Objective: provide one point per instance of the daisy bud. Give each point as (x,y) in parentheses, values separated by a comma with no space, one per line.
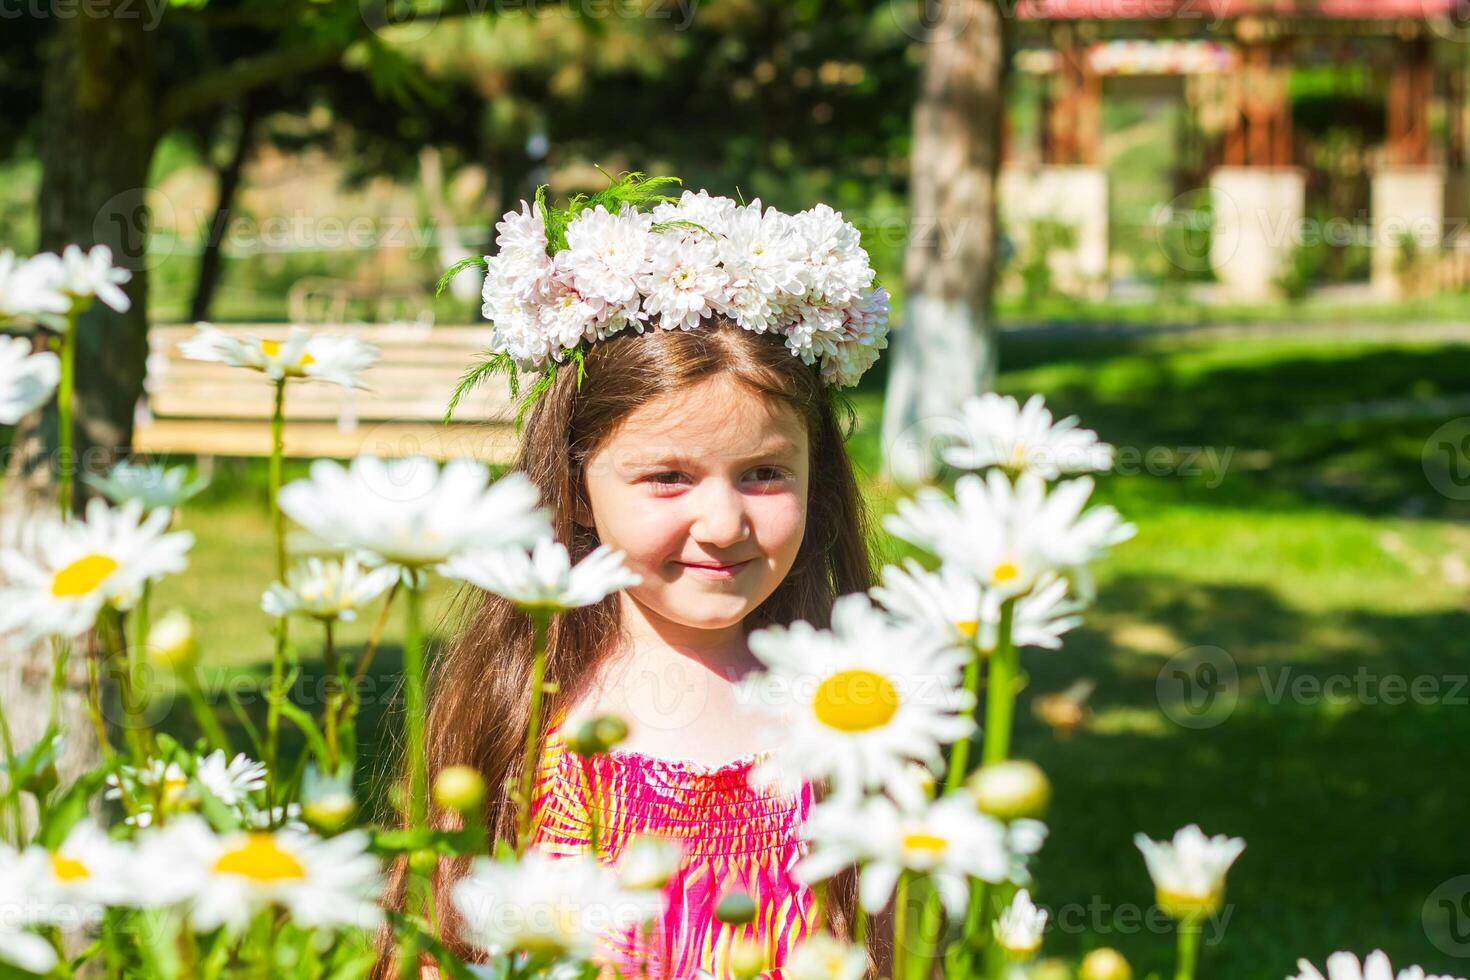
(423,862)
(747,957)
(596,736)
(1010,790)
(649,862)
(1189,871)
(736,908)
(1105,964)
(1050,968)
(329,813)
(459,788)
(172,642)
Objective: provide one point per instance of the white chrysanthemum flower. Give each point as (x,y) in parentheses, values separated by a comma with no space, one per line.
(820,956)
(520,238)
(1345,966)
(27,380)
(545,578)
(836,269)
(1008,536)
(947,840)
(564,312)
(413,514)
(18,876)
(544,903)
(516,320)
(1019,926)
(863,335)
(697,208)
(154,485)
(88,871)
(92,273)
(761,253)
(1189,871)
(684,283)
(327,589)
(313,357)
(996,430)
(849,709)
(142,790)
(32,287)
(231,782)
(607,253)
(225,879)
(65,572)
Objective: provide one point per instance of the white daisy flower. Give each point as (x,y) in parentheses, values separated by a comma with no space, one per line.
(92,273)
(314,357)
(62,576)
(1189,872)
(31,287)
(547,904)
(27,380)
(142,790)
(19,947)
(1345,966)
(820,956)
(226,879)
(413,514)
(649,861)
(545,578)
(684,282)
(849,709)
(995,430)
(1019,926)
(327,589)
(948,840)
(232,781)
(1008,536)
(154,485)
(951,604)
(88,871)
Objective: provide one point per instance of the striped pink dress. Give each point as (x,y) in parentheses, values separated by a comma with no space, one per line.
(733,837)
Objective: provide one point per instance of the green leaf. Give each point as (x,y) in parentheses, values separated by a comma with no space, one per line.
(490,365)
(456,269)
(60,817)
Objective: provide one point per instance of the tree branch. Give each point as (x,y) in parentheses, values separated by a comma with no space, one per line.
(213,88)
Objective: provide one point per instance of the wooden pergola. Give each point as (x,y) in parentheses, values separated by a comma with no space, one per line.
(1265,38)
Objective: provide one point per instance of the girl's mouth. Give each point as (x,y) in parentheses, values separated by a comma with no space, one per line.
(717,572)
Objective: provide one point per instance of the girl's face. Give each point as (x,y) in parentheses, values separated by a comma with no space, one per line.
(705,492)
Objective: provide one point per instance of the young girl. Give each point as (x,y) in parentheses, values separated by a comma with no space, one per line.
(713,458)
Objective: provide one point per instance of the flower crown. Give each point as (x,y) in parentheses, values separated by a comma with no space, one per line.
(632,258)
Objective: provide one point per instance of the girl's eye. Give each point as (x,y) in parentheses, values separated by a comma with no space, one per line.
(669,479)
(768,474)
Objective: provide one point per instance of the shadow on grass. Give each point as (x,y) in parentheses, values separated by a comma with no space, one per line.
(1344,783)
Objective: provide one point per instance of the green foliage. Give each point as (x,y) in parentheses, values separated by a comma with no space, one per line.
(634,188)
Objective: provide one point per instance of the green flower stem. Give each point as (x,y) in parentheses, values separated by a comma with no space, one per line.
(137,650)
(114,645)
(12,791)
(1000,694)
(859,926)
(414,706)
(959,756)
(203,714)
(65,399)
(540,623)
(331,668)
(931,923)
(1188,949)
(278,660)
(901,927)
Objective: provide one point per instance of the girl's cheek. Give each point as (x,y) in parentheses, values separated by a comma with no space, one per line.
(779,520)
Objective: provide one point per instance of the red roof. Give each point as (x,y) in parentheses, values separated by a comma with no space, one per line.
(1210,10)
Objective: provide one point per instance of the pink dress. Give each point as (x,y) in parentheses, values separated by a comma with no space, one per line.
(733,837)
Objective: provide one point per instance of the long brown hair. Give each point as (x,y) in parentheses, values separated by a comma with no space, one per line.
(479,711)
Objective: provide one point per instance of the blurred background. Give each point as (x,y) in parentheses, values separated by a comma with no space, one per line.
(1230,235)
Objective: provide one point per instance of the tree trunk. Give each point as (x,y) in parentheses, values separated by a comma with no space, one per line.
(944,351)
(228,180)
(98,143)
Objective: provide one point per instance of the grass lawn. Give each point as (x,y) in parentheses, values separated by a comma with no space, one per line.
(1288,537)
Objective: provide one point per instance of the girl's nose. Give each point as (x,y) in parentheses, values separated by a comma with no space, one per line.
(719,515)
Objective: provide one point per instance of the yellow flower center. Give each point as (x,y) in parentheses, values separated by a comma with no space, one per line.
(931,845)
(1006,571)
(272,349)
(68,869)
(260,859)
(82,576)
(855,701)
(969,627)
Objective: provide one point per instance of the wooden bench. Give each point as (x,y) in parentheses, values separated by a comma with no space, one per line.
(218,410)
